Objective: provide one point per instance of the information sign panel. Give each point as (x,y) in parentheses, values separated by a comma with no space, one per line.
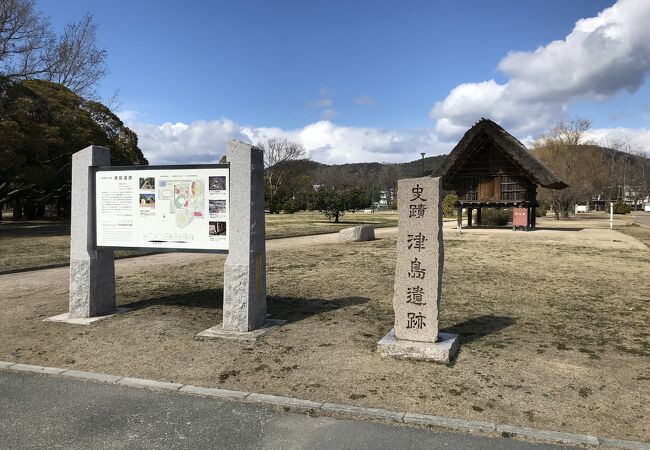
(163,207)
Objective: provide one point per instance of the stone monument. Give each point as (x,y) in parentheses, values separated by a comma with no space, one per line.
(244,293)
(418,275)
(92,271)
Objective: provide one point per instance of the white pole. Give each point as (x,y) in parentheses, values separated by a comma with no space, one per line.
(611,215)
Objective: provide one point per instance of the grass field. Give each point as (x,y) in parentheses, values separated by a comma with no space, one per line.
(37,244)
(554,335)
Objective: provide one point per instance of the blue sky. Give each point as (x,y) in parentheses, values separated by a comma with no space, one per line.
(365,81)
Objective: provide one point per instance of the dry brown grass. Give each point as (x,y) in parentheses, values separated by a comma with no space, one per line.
(554,336)
(308,223)
(39,244)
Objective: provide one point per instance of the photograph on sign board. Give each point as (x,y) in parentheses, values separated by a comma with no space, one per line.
(217,206)
(218,183)
(147,183)
(147,200)
(217,228)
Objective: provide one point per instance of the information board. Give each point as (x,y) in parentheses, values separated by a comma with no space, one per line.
(163,207)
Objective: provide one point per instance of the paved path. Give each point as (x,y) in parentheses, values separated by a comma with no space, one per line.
(47,412)
(642,217)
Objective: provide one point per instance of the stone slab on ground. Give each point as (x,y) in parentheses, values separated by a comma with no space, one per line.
(449,422)
(65,318)
(217,332)
(357,234)
(442,351)
(293,403)
(149,384)
(567,438)
(94,376)
(359,411)
(214,392)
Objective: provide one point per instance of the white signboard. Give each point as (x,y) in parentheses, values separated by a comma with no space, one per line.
(176,207)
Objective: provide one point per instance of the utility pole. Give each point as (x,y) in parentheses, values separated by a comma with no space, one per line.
(423,153)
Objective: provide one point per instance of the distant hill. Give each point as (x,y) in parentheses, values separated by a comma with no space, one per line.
(379,175)
(384,175)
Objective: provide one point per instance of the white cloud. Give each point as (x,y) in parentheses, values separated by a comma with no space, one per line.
(179,143)
(323,103)
(602,56)
(637,138)
(364,100)
(129,115)
(326,142)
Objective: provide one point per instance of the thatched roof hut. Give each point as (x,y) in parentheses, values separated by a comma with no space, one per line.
(491,168)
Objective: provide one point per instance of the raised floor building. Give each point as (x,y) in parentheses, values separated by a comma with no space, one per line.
(490,168)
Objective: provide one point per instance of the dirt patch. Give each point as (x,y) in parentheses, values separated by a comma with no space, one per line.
(554,336)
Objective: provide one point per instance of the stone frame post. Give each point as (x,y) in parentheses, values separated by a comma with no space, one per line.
(92,271)
(244,293)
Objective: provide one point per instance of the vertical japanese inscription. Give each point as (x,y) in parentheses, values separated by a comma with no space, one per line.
(420,255)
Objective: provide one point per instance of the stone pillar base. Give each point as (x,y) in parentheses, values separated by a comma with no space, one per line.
(442,351)
(217,332)
(66,318)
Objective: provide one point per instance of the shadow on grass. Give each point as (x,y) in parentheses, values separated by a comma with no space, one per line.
(34,228)
(478,327)
(294,309)
(290,309)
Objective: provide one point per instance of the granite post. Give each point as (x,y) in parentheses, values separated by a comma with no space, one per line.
(92,271)
(244,295)
(418,275)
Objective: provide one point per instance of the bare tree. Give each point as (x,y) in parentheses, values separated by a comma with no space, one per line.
(278,152)
(29,49)
(578,167)
(25,37)
(74,60)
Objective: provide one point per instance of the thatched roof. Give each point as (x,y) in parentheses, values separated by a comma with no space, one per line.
(485,129)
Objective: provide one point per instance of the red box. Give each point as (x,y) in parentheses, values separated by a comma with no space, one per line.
(520,217)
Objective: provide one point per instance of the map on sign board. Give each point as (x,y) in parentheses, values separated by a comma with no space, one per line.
(167,208)
(186,199)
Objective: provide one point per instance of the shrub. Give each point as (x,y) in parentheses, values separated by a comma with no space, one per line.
(448,208)
(289,207)
(622,208)
(541,211)
(496,217)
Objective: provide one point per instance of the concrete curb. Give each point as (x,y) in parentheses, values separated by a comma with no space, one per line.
(292,403)
(214,392)
(149,384)
(449,422)
(567,438)
(94,376)
(358,411)
(337,410)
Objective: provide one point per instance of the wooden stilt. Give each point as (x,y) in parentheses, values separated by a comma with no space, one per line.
(478,217)
(533,218)
(469,217)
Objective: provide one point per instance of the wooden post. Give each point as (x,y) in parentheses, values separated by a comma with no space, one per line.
(459,217)
(533,217)
(478,216)
(469,217)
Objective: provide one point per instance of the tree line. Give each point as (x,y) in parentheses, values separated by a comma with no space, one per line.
(614,171)
(289,190)
(48,109)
